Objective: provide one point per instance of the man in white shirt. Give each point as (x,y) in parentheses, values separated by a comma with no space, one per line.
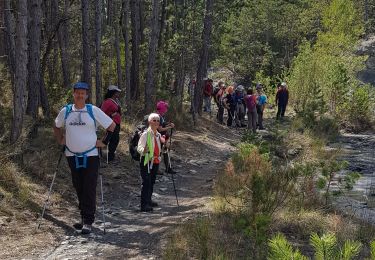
(80,140)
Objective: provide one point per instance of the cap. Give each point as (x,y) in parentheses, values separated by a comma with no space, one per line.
(240,88)
(162,106)
(113,87)
(81,85)
(283,84)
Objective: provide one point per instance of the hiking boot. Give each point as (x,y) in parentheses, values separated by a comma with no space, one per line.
(78,225)
(154,204)
(147,209)
(86,229)
(171,171)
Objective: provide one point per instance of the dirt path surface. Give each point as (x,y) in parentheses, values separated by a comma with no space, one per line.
(197,156)
(359,151)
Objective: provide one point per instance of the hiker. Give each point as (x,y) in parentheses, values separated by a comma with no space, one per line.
(251,105)
(164,126)
(218,97)
(149,147)
(282,97)
(81,148)
(230,105)
(240,106)
(261,104)
(111,106)
(207,91)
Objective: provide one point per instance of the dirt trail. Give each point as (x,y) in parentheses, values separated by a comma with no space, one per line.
(197,157)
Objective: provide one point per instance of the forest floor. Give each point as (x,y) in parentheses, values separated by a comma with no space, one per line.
(197,155)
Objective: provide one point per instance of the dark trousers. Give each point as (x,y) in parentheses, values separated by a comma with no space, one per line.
(281,110)
(166,161)
(231,112)
(220,113)
(84,182)
(148,181)
(260,116)
(112,146)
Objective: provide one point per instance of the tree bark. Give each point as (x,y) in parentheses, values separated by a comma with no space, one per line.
(35,7)
(63,39)
(150,86)
(98,54)
(9,35)
(19,88)
(86,70)
(141,4)
(162,21)
(203,60)
(180,62)
(2,30)
(118,52)
(134,76)
(125,33)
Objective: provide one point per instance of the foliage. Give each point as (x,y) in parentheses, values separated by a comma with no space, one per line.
(325,248)
(323,75)
(280,249)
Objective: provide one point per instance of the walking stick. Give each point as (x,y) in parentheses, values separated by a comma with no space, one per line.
(50,188)
(170,166)
(102,195)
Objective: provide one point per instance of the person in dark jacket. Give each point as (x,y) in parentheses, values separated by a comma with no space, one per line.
(282,98)
(230,105)
(111,106)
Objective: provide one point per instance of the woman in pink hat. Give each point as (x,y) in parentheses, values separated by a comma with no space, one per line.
(164,127)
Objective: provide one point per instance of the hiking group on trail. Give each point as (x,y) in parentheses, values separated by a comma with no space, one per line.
(76,129)
(240,102)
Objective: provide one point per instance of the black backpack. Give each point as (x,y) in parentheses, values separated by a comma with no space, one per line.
(134,138)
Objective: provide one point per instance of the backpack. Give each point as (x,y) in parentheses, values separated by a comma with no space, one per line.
(69,108)
(250,102)
(134,138)
(215,91)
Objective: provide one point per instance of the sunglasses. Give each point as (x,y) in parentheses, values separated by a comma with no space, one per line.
(154,120)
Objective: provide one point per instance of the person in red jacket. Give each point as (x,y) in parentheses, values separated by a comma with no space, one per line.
(111,106)
(208,89)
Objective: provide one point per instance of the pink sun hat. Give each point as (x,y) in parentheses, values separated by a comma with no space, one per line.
(162,107)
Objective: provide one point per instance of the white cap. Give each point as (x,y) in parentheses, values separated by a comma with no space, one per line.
(113,87)
(283,84)
(153,116)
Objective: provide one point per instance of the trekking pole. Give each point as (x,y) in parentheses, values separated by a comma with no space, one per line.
(102,195)
(170,167)
(50,188)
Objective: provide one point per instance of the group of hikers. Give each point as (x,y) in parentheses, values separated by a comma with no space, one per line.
(238,102)
(76,129)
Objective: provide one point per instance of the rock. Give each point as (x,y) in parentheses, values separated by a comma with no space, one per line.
(163,189)
(193,171)
(209,180)
(64,242)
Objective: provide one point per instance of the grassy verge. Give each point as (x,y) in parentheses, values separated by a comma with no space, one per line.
(268,202)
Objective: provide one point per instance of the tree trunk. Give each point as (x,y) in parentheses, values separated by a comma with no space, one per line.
(142,18)
(134,76)
(98,54)
(125,33)
(19,89)
(35,7)
(118,52)
(63,38)
(2,30)
(150,86)
(10,41)
(86,70)
(203,60)
(162,21)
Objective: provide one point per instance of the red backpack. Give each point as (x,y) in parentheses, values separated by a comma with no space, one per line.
(250,101)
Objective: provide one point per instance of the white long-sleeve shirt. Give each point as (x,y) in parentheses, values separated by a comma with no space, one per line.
(143,141)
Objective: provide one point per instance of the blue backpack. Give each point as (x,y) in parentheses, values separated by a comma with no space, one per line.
(69,108)
(83,155)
